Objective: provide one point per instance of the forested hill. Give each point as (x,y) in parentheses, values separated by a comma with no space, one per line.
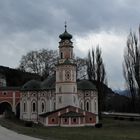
(115,102)
(15,77)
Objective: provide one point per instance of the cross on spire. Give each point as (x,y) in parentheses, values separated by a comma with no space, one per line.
(65,26)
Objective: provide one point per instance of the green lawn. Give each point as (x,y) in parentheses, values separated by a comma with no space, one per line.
(111,130)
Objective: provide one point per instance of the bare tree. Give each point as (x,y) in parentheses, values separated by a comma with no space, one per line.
(41,62)
(91,65)
(131,66)
(96,73)
(81,68)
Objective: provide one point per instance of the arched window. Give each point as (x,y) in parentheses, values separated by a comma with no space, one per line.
(87,106)
(73,89)
(81,105)
(59,89)
(60,99)
(95,105)
(54,106)
(24,107)
(33,107)
(61,55)
(74,99)
(43,107)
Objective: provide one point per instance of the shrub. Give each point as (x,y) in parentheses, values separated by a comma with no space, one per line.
(115,118)
(28,123)
(131,119)
(121,118)
(98,125)
(9,114)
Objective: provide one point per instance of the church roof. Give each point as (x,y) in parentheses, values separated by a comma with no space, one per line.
(85,85)
(48,83)
(65,35)
(32,85)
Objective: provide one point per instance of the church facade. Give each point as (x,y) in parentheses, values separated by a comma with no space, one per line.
(60,100)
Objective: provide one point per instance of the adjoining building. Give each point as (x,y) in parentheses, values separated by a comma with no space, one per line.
(60,100)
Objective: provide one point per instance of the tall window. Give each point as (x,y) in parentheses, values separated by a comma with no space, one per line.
(95,105)
(24,107)
(54,106)
(34,107)
(87,106)
(59,89)
(61,55)
(81,105)
(74,99)
(60,99)
(43,107)
(73,89)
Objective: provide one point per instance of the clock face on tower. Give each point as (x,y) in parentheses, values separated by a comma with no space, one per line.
(66,41)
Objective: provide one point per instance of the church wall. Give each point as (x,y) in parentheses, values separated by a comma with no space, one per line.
(10,96)
(90,119)
(64,94)
(88,96)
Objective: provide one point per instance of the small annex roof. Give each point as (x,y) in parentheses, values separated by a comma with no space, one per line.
(85,85)
(31,85)
(71,114)
(49,113)
(67,114)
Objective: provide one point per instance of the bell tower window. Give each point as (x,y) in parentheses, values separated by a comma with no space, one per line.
(61,55)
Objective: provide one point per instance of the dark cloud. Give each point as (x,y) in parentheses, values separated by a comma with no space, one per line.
(34,24)
(83,16)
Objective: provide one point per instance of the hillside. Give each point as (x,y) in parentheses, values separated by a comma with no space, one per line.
(15,77)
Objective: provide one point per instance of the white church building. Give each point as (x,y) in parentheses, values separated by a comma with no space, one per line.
(61,100)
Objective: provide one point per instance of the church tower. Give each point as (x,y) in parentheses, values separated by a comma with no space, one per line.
(66,86)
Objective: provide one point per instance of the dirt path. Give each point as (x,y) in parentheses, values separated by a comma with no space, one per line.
(6,134)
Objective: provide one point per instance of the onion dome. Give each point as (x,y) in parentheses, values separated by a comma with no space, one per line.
(85,85)
(65,35)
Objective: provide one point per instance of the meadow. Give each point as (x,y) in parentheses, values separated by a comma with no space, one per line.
(112,130)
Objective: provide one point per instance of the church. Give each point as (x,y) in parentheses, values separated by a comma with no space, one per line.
(60,100)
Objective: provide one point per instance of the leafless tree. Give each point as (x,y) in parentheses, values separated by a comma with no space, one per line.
(97,74)
(131,66)
(81,68)
(41,62)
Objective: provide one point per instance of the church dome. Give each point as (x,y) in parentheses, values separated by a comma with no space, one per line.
(85,85)
(65,35)
(48,83)
(31,85)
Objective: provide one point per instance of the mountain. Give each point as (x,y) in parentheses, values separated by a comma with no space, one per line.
(123,92)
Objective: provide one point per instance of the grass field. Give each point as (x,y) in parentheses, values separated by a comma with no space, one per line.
(111,130)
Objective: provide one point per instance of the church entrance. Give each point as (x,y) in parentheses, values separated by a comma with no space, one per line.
(5,107)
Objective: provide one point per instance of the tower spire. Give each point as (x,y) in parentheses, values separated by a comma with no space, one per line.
(65,26)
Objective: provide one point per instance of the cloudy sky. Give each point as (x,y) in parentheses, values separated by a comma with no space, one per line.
(35,24)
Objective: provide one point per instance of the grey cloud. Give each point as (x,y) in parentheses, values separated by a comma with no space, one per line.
(83,16)
(34,24)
